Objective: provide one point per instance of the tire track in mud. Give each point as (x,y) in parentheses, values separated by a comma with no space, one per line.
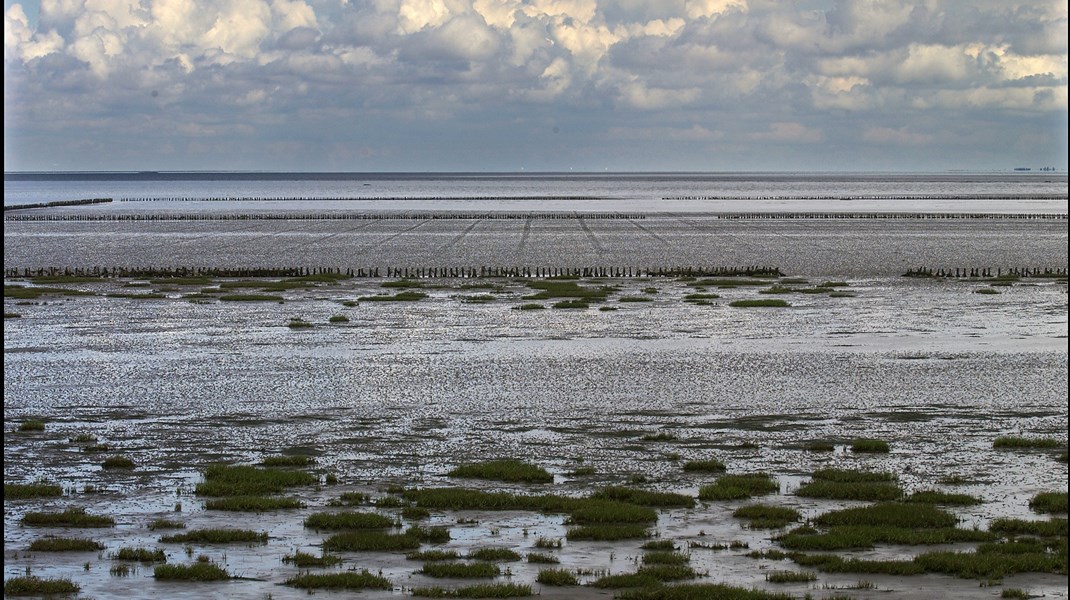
(647,231)
(591,237)
(336,234)
(392,237)
(457,238)
(524,236)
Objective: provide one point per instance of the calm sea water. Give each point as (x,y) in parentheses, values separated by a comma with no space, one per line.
(555,191)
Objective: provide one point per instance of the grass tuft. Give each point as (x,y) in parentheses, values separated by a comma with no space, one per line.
(61,544)
(459,570)
(1010,441)
(507,470)
(557,577)
(20,491)
(494,554)
(1049,502)
(761,516)
(870,446)
(760,303)
(118,462)
(217,536)
(35,586)
(141,555)
(484,590)
(739,487)
(348,520)
(243,480)
(711,465)
(350,580)
(198,571)
(72,517)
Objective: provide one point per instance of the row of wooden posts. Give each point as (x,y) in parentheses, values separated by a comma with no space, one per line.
(413,272)
(423,216)
(1055,272)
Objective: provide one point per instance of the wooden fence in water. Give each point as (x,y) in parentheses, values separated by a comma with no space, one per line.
(398,272)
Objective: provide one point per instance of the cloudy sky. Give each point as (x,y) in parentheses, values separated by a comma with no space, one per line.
(502,85)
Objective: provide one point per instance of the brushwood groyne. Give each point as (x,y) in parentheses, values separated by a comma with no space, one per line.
(395,272)
(424,216)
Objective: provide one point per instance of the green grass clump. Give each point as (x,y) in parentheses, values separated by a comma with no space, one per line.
(32,425)
(593,512)
(198,571)
(761,516)
(890,514)
(990,291)
(12,315)
(529,306)
(350,580)
(647,576)
(94,448)
(494,554)
(1052,528)
(60,544)
(571,304)
(299,324)
(243,480)
(644,497)
(35,586)
(72,517)
(165,524)
(459,570)
(739,487)
(466,499)
(84,438)
(406,296)
(837,484)
(20,491)
(1049,502)
(830,563)
(141,555)
(433,555)
(866,536)
(252,503)
(118,462)
(764,302)
(217,536)
(1011,441)
(250,298)
(557,577)
(542,558)
(711,465)
(548,543)
(938,497)
(790,577)
(414,513)
(661,557)
(1014,593)
(820,446)
(870,446)
(429,535)
(552,289)
(507,470)
(483,590)
(607,533)
(661,436)
(704,591)
(348,520)
(699,297)
(19,292)
(991,565)
(297,460)
(370,540)
(338,319)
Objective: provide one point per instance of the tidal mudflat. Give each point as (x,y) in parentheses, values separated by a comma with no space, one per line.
(870,437)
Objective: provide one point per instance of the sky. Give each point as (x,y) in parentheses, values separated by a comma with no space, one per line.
(534,85)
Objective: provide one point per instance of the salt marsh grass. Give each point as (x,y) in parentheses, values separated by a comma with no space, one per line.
(542,558)
(217,536)
(838,484)
(71,517)
(370,540)
(939,497)
(507,470)
(32,425)
(557,577)
(790,577)
(141,555)
(761,516)
(704,591)
(118,462)
(36,586)
(1011,441)
(62,544)
(296,460)
(644,497)
(459,570)
(20,491)
(710,465)
(348,520)
(739,487)
(228,480)
(485,590)
(198,571)
(1049,502)
(351,580)
(870,446)
(252,503)
(760,303)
